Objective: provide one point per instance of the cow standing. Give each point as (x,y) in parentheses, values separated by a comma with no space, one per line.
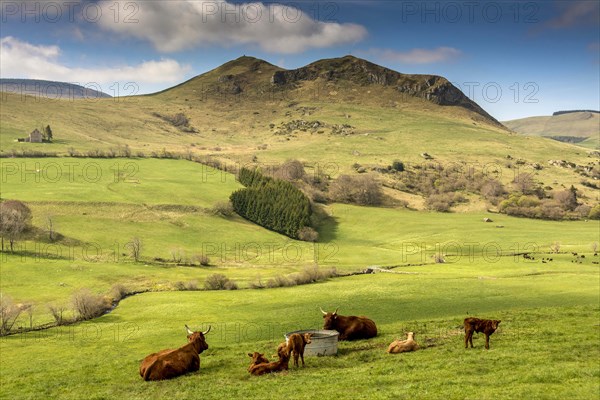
(296,345)
(350,328)
(487,326)
(170,363)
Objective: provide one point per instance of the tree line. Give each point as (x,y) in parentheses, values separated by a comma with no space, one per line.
(272,203)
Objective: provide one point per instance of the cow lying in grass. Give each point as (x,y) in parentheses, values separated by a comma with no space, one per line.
(403,346)
(167,364)
(296,344)
(486,326)
(257,358)
(277,366)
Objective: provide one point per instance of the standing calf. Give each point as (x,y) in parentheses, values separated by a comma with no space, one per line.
(403,346)
(280,365)
(296,344)
(487,326)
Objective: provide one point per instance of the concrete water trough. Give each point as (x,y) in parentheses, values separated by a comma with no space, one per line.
(323,342)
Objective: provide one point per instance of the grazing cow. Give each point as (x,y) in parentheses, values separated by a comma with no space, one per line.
(486,326)
(277,366)
(403,346)
(350,328)
(296,344)
(167,364)
(257,358)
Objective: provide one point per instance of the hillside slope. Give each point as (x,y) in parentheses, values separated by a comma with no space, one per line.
(331,115)
(582,127)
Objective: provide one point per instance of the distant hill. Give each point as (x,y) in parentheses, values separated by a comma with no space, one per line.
(49,89)
(579,127)
(574,111)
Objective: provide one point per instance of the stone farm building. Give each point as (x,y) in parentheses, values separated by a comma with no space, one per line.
(34,137)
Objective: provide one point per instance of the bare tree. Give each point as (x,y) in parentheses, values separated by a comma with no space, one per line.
(135,248)
(50,228)
(15,218)
(57,312)
(9,313)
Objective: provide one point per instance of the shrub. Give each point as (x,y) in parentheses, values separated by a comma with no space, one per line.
(312,275)
(279,281)
(177,255)
(362,190)
(308,234)
(57,312)
(219,282)
(223,209)
(594,212)
(201,259)
(443,202)
(257,284)
(398,166)
(118,291)
(88,305)
(189,285)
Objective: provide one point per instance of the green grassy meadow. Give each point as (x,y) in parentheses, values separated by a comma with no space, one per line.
(547,346)
(535,353)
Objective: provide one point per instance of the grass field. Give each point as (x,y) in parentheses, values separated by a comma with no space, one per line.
(167,205)
(548,342)
(546,347)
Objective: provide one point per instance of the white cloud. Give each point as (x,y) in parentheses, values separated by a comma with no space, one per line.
(185,24)
(20,59)
(419,56)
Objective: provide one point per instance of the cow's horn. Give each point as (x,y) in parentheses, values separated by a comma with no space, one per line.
(324,313)
(208,330)
(335,312)
(189,331)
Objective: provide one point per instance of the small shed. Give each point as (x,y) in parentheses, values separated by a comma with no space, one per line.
(34,137)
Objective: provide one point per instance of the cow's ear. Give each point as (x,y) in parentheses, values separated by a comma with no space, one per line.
(249,355)
(498,322)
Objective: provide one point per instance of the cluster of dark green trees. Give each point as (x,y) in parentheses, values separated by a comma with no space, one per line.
(272,203)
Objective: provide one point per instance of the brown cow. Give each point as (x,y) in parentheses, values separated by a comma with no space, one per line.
(277,366)
(296,344)
(350,328)
(257,358)
(167,364)
(487,326)
(403,346)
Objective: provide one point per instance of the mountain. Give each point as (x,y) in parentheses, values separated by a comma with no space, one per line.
(251,78)
(433,88)
(49,89)
(578,127)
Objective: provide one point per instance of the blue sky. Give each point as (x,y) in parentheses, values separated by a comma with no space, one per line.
(515,58)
